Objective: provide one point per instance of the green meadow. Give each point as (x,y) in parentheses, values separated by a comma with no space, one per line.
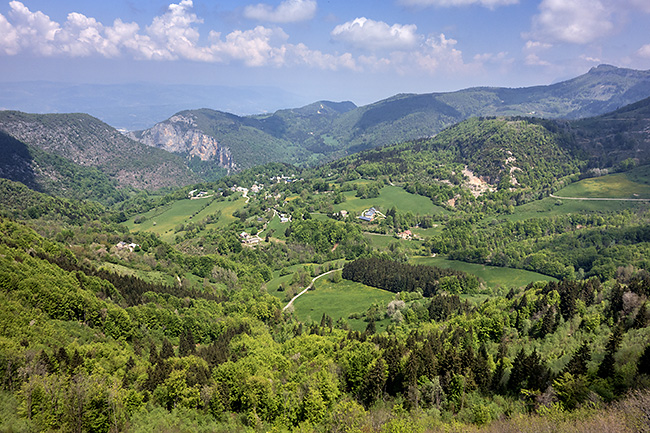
(551,206)
(163,220)
(390,196)
(634,184)
(155,277)
(493,276)
(339,301)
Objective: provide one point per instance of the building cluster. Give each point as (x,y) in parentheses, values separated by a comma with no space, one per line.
(248,239)
(125,245)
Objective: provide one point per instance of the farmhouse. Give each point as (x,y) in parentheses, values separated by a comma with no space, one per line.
(248,239)
(123,245)
(406,234)
(370,215)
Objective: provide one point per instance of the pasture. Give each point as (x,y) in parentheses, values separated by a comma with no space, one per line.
(493,276)
(633,184)
(164,220)
(550,206)
(390,196)
(339,301)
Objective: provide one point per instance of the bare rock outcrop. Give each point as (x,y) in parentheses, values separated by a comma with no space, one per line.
(180,134)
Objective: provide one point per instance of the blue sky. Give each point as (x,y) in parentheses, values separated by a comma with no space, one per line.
(359,50)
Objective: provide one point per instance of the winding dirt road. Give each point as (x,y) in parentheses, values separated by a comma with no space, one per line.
(308,287)
(599,198)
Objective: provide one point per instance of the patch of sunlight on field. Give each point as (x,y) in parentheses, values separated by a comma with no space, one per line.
(493,276)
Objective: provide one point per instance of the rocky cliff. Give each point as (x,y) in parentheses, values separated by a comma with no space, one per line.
(180,134)
(84,140)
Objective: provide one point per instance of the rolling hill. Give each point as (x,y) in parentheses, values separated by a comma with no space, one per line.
(42,149)
(326,130)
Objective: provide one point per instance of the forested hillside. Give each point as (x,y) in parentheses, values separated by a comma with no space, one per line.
(59,140)
(327,130)
(491,278)
(173,320)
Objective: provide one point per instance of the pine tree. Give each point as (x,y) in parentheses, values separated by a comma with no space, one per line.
(167,350)
(577,365)
(606,368)
(371,328)
(186,344)
(374,382)
(548,323)
(643,365)
(518,374)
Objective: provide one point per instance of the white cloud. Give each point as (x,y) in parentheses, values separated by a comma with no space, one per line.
(376,35)
(590,59)
(287,12)
(576,21)
(35,30)
(254,47)
(301,55)
(449,3)
(537,46)
(644,51)
(501,57)
(174,35)
(9,39)
(439,52)
(534,60)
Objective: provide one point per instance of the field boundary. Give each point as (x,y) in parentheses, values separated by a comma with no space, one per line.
(313,280)
(599,198)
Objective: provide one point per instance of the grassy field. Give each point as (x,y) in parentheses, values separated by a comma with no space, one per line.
(390,196)
(339,301)
(165,219)
(632,184)
(155,277)
(277,227)
(493,276)
(549,206)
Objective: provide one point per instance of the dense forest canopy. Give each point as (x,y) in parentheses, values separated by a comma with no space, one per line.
(434,285)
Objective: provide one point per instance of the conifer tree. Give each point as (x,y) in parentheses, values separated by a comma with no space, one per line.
(606,368)
(577,365)
(167,350)
(643,364)
(186,344)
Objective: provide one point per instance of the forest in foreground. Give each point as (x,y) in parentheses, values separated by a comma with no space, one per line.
(448,297)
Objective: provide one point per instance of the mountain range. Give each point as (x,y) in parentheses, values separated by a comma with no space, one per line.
(134,106)
(326,130)
(79,156)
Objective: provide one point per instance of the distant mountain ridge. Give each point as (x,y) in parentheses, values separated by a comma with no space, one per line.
(520,158)
(134,106)
(76,152)
(326,130)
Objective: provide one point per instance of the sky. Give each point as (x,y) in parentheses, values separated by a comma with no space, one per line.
(358,50)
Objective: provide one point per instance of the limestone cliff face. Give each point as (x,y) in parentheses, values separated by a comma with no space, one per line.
(180,134)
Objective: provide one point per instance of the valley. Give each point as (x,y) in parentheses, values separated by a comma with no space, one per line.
(489,272)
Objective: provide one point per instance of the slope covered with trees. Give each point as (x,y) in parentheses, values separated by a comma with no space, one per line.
(83,140)
(325,130)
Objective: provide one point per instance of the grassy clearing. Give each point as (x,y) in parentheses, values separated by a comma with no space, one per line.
(277,227)
(390,196)
(339,301)
(165,219)
(493,276)
(632,184)
(381,241)
(154,277)
(549,207)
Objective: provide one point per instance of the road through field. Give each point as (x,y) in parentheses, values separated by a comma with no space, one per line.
(308,287)
(599,198)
